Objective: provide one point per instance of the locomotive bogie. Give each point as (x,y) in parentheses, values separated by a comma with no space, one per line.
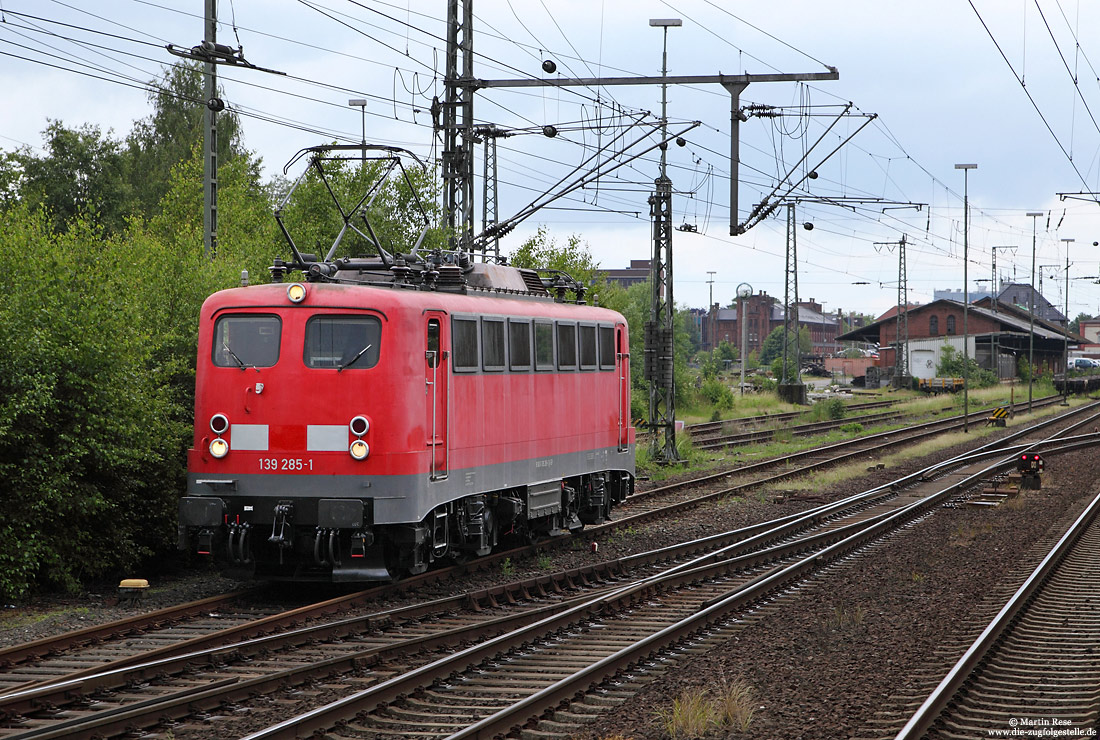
(346,432)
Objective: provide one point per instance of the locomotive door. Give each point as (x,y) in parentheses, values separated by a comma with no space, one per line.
(435,394)
(622,369)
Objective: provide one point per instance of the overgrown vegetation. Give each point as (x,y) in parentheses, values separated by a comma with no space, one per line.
(106,270)
(695,712)
(953,365)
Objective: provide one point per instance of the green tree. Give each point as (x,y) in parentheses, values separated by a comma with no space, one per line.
(81,421)
(726,351)
(11,179)
(542,252)
(1075,325)
(773,344)
(84,173)
(160,142)
(97,396)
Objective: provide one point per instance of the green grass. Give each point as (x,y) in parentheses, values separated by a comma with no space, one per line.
(691,715)
(785,443)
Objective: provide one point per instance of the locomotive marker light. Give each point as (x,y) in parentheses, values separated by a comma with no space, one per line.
(219,448)
(296,292)
(359,426)
(359,449)
(219,424)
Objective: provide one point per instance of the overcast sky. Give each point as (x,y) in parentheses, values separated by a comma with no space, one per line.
(943,80)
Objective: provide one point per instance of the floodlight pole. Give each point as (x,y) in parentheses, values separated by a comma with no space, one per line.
(966,294)
(361,104)
(662,314)
(1031,315)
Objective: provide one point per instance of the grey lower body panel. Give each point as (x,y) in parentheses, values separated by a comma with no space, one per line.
(406,498)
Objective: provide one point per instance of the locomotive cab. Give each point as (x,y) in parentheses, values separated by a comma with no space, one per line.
(351,431)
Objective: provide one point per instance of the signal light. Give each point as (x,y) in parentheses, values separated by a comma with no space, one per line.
(219,448)
(296,292)
(219,423)
(359,449)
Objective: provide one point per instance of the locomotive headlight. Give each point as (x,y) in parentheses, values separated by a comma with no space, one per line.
(359,426)
(219,424)
(219,447)
(296,292)
(359,449)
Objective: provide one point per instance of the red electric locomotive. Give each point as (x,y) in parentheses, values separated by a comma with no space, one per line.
(384,414)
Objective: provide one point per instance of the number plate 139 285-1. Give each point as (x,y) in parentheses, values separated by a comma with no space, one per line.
(286,464)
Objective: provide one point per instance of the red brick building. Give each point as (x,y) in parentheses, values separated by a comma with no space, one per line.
(763,313)
(1003,335)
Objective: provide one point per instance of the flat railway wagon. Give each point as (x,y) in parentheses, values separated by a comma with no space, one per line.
(373,419)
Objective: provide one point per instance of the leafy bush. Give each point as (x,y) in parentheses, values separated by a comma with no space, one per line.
(953,365)
(97,383)
(834,408)
(717,393)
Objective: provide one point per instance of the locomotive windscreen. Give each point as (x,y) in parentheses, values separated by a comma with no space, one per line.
(341,342)
(247,340)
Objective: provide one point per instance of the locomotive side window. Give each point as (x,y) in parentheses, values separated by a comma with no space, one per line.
(492,344)
(587,335)
(544,345)
(519,344)
(607,348)
(342,342)
(247,340)
(433,342)
(567,346)
(464,344)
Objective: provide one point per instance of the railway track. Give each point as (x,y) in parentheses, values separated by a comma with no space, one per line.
(1036,666)
(712,442)
(667,499)
(210,622)
(376,650)
(705,428)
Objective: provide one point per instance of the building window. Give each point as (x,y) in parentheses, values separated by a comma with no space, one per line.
(933,326)
(950,324)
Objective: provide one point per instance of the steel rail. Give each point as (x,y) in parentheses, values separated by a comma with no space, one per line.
(800,430)
(19,699)
(715,612)
(926,715)
(705,426)
(816,451)
(760,534)
(323,718)
(16,654)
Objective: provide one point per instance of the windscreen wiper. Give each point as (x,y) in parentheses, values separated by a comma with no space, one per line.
(239,361)
(353,359)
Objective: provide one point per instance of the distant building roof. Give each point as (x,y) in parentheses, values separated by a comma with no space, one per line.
(1008,320)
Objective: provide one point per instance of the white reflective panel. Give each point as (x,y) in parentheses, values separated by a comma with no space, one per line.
(248,436)
(327,438)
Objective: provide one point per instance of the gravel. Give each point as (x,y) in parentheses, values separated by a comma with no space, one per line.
(821,666)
